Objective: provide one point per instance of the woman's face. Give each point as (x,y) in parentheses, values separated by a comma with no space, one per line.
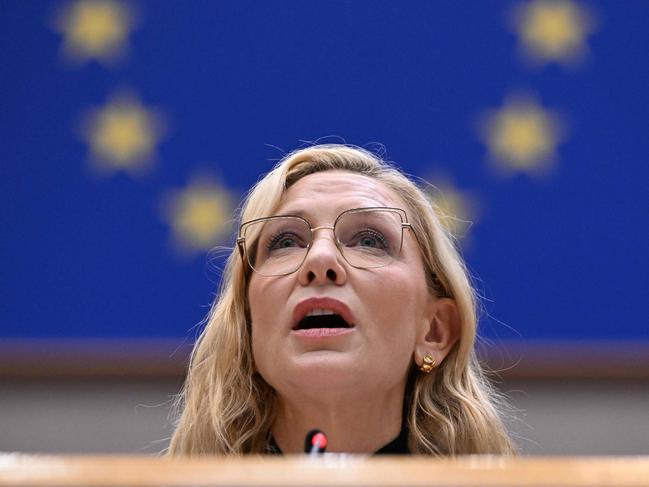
(386,306)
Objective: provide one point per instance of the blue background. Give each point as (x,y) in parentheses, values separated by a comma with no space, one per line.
(559,258)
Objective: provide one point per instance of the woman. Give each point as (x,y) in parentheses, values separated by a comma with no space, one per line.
(345,307)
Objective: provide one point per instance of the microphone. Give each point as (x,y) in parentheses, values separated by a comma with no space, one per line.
(315,442)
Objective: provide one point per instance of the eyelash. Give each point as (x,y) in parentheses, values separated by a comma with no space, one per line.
(374,234)
(276,238)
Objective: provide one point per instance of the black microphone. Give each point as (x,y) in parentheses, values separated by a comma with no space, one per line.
(315,442)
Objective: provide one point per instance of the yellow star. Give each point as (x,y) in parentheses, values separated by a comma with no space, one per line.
(123,135)
(456,209)
(553,30)
(522,135)
(95,29)
(199,215)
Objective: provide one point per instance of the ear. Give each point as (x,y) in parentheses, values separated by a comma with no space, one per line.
(438,331)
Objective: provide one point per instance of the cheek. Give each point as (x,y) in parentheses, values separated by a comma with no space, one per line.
(266,297)
(258,310)
(261,295)
(259,328)
(396,304)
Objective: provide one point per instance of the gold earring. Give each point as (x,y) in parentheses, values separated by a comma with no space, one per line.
(429,364)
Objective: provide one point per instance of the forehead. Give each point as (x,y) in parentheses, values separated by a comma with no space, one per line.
(331,192)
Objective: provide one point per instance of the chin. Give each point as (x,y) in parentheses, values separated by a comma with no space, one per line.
(323,370)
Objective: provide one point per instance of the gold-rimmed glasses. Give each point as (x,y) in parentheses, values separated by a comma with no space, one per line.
(367,238)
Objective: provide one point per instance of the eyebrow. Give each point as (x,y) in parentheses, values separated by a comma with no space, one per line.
(303,213)
(290,212)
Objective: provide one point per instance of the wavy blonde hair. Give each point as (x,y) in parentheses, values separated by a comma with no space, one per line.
(225,407)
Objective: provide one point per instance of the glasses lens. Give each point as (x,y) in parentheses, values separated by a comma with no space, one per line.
(370,238)
(279,244)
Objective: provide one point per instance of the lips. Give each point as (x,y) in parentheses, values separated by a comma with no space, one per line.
(321,313)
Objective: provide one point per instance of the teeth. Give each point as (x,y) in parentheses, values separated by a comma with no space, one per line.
(320,312)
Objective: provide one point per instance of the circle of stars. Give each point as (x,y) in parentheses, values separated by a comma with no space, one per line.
(122,135)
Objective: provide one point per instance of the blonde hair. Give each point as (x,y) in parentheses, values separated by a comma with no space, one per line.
(227,408)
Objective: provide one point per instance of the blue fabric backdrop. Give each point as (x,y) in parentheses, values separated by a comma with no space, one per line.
(90,245)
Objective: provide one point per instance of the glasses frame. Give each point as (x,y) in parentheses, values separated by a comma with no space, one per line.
(241,240)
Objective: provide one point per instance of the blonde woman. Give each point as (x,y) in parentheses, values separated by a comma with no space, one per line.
(345,307)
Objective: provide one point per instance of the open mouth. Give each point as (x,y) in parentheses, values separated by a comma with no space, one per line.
(322,321)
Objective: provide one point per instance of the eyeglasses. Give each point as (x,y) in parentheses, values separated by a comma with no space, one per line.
(367,238)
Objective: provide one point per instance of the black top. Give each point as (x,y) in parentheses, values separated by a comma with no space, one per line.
(398,446)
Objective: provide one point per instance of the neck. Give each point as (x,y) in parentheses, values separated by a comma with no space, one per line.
(359,424)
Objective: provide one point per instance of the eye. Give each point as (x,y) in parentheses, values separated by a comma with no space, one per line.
(285,240)
(369,239)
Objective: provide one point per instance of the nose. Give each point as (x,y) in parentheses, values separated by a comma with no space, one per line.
(323,264)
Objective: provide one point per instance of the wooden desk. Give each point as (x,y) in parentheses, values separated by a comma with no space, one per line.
(18,470)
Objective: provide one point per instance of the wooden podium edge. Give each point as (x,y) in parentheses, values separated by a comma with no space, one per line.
(332,470)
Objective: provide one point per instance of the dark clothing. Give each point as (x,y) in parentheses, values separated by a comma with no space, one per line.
(398,446)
